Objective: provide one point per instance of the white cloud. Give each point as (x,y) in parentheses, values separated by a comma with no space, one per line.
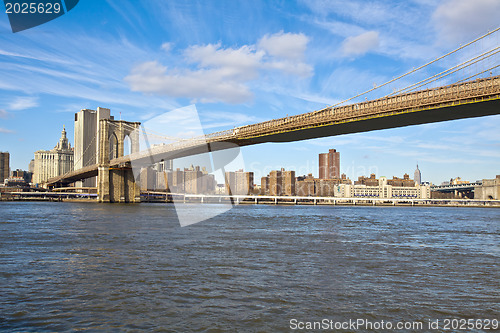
(4,130)
(285,45)
(166,46)
(404,26)
(81,67)
(370,10)
(3,114)
(41,56)
(222,74)
(360,44)
(238,64)
(300,69)
(23,103)
(206,85)
(461,20)
(339,28)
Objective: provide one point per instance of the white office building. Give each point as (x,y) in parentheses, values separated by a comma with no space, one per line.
(383,191)
(55,162)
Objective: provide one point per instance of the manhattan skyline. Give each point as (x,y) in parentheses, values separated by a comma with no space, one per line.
(283,59)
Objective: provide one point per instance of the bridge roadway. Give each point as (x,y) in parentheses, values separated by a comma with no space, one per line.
(469,99)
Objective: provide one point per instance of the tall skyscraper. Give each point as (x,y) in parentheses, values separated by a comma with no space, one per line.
(31,166)
(230,182)
(329,165)
(333,164)
(275,183)
(54,162)
(264,185)
(198,181)
(323,166)
(287,182)
(148,178)
(86,140)
(279,182)
(167,165)
(239,182)
(4,166)
(178,182)
(417,176)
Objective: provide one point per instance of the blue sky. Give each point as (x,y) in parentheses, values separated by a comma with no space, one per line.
(241,62)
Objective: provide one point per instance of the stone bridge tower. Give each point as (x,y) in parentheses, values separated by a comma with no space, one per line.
(117,183)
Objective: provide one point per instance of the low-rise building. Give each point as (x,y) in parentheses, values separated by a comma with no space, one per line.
(383,190)
(402,182)
(21,176)
(368,181)
(220,189)
(306,186)
(192,180)
(278,183)
(489,190)
(310,186)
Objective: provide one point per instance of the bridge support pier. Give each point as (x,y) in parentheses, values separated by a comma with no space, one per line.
(116,184)
(122,186)
(103,184)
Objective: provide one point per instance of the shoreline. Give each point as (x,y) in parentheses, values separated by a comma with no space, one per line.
(345,202)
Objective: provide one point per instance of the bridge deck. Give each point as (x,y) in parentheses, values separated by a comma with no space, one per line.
(455,101)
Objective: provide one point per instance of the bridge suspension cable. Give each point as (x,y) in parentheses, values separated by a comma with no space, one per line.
(83,154)
(152,133)
(376,87)
(450,71)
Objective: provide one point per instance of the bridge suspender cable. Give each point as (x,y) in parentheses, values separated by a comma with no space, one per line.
(451,70)
(419,68)
(88,146)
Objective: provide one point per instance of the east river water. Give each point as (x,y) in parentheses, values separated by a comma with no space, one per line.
(255,268)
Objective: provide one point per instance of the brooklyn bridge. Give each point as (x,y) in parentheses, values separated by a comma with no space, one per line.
(466,89)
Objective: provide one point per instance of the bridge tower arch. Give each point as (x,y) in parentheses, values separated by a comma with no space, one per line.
(113,146)
(117,183)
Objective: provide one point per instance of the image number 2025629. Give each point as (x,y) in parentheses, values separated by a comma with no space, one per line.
(26,14)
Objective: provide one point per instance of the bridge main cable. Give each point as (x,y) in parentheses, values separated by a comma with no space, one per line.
(418,68)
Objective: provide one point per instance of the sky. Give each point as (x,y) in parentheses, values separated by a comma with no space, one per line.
(241,62)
